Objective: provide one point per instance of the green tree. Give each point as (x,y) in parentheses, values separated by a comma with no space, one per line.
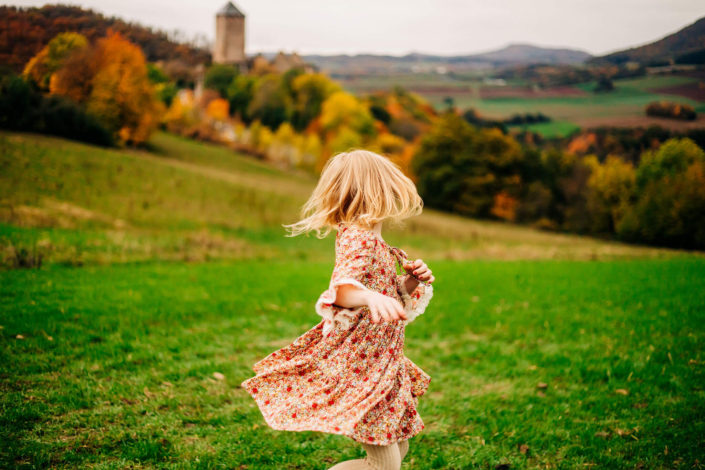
(240,93)
(270,103)
(670,206)
(309,91)
(219,77)
(462,169)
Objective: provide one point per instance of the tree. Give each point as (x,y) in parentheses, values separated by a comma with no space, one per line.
(111,81)
(240,93)
(270,104)
(50,59)
(122,95)
(342,109)
(462,169)
(309,91)
(671,158)
(219,77)
(670,206)
(610,192)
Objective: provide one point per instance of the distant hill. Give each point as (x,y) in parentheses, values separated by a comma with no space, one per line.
(684,46)
(24,31)
(511,55)
(525,54)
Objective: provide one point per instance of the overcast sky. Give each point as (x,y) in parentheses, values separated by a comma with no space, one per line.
(445,27)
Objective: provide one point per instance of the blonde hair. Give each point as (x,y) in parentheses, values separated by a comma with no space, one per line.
(357,187)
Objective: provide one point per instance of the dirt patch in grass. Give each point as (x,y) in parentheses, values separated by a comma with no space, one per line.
(528,92)
(694,90)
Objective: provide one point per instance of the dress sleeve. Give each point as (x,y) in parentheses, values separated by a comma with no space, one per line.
(415,302)
(353,257)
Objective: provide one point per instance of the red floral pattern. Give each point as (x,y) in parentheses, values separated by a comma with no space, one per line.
(348,375)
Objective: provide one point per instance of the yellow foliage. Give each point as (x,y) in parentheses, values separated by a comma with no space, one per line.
(390,144)
(342,109)
(611,187)
(52,56)
(310,149)
(345,139)
(304,83)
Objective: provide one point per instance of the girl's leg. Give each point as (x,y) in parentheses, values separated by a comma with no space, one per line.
(378,458)
(357,464)
(383,457)
(403,449)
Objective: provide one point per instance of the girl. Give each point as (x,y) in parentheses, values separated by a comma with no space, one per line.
(348,375)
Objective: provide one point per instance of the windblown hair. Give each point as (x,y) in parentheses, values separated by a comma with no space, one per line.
(358,187)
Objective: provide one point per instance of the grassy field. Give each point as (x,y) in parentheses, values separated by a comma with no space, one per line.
(546,350)
(76,204)
(551,364)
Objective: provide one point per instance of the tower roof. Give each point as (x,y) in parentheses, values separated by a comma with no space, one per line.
(230,10)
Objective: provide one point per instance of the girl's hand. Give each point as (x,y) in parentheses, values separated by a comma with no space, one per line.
(384,308)
(418,270)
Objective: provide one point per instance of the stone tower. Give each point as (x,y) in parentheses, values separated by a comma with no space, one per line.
(229,45)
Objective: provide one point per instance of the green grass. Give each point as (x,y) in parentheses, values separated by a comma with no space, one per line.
(111,364)
(77,204)
(114,366)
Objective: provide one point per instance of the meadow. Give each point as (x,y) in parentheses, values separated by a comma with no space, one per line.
(166,275)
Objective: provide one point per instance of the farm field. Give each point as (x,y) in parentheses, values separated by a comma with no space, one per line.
(166,275)
(571,106)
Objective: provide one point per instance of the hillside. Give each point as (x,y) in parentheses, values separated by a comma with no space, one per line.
(24,31)
(77,204)
(686,43)
(513,54)
(523,54)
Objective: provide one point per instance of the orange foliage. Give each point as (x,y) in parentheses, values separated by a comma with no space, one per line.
(75,78)
(581,144)
(218,109)
(504,206)
(111,80)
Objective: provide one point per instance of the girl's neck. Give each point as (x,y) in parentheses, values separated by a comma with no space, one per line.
(377,228)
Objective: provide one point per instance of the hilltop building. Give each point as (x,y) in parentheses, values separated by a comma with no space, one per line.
(229,47)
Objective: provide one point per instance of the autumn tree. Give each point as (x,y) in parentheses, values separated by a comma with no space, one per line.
(270,104)
(462,169)
(309,91)
(51,58)
(670,206)
(610,192)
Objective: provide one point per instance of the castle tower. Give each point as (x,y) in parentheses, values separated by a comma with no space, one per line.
(229,45)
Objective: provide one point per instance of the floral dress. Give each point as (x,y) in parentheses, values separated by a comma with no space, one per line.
(348,375)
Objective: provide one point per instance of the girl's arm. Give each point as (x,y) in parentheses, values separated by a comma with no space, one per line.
(381,307)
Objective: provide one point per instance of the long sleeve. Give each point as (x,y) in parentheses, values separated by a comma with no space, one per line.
(415,302)
(353,257)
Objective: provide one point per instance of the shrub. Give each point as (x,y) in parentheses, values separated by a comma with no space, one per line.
(23,108)
(671,110)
